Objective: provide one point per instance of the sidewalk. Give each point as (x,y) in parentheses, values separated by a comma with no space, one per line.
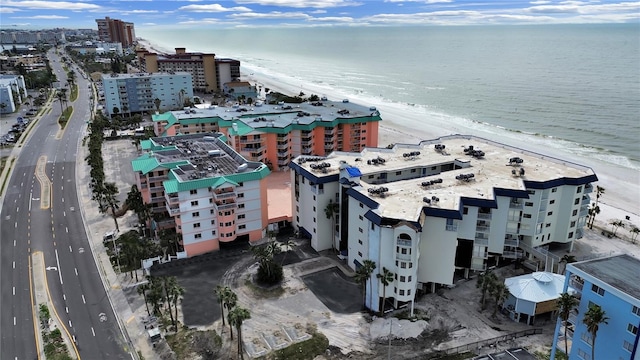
(96,225)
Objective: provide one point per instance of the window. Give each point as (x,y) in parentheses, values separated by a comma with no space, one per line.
(314,209)
(360,229)
(583,355)
(210,200)
(636,310)
(597,289)
(195,214)
(241,216)
(574,213)
(401,292)
(398,172)
(632,329)
(213,222)
(528,203)
(361,205)
(227,223)
(240,227)
(194,203)
(576,201)
(197,236)
(551,202)
(193,192)
(547,225)
(241,195)
(531,192)
(297,208)
(359,253)
(570,235)
(579,189)
(550,213)
(526,216)
(212,211)
(554,190)
(627,345)
(240,206)
(359,241)
(196,225)
(465,210)
(372,226)
(227,213)
(360,217)
(314,219)
(409,280)
(403,265)
(573,224)
(213,232)
(403,278)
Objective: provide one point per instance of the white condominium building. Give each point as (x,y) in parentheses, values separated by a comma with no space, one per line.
(435,210)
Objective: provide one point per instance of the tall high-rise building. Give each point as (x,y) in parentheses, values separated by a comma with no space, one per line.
(115,30)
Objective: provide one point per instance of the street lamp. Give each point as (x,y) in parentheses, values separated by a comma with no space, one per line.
(390,325)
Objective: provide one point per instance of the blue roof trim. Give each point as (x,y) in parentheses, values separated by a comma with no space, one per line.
(373,217)
(442,213)
(493,204)
(362,198)
(559,182)
(344,181)
(522,194)
(312,177)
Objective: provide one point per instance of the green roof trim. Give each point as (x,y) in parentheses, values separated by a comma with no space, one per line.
(166,116)
(173,185)
(147,163)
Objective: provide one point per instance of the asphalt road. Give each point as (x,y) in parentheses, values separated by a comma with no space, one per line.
(58,231)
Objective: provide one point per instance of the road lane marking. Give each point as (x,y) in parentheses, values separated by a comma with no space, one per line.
(66,229)
(131,319)
(14,321)
(83,300)
(14,291)
(93,332)
(59,268)
(14,243)
(70,249)
(76,269)
(14,264)
(70,324)
(66,308)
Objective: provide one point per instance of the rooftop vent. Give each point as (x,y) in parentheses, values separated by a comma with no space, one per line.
(412,154)
(376,161)
(465,177)
(378,191)
(515,161)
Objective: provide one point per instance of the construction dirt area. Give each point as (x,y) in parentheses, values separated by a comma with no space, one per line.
(319,294)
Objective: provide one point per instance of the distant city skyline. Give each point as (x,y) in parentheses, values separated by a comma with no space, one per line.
(44,14)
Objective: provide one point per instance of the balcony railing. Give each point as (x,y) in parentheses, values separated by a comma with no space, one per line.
(480,267)
(485,216)
(482,228)
(282,146)
(511,242)
(226,206)
(511,254)
(403,257)
(226,195)
(452,227)
(481,241)
(515,204)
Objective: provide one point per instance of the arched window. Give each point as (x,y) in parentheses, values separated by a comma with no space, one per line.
(404,240)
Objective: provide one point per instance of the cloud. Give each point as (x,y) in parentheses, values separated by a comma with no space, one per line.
(8,10)
(271,15)
(302,3)
(420,1)
(539,2)
(50,5)
(47,17)
(344,19)
(215,8)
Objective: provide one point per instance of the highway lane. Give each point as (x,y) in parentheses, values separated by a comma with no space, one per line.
(75,285)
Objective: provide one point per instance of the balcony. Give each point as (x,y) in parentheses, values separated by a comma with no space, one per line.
(484,216)
(283,162)
(516,204)
(511,242)
(403,257)
(174,211)
(576,284)
(478,267)
(306,143)
(282,146)
(512,254)
(253,149)
(483,229)
(452,227)
(481,241)
(329,131)
(226,206)
(224,195)
(172,199)
(250,141)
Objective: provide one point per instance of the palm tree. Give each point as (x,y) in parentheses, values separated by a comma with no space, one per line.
(176,292)
(229,302)
(289,245)
(112,202)
(168,283)
(634,233)
(361,278)
(592,319)
(566,303)
(485,282)
(61,98)
(595,208)
(331,210)
(369,266)
(386,277)
(142,290)
(567,259)
(616,224)
(500,292)
(157,103)
(237,316)
(219,292)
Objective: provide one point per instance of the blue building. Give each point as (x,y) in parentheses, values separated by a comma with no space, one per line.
(613,283)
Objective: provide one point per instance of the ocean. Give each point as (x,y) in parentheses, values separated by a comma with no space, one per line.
(571,87)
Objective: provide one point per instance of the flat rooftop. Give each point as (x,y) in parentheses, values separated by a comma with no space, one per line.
(206,154)
(404,198)
(281,116)
(619,271)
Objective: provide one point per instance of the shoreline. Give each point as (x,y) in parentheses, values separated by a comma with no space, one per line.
(622,190)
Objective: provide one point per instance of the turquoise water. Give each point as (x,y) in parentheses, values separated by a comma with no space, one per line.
(577,85)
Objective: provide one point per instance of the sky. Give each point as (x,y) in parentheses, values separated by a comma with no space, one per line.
(43,14)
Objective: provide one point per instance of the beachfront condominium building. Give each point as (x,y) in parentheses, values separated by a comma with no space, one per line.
(437,210)
(612,284)
(143,92)
(275,134)
(201,187)
(115,30)
(209,74)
